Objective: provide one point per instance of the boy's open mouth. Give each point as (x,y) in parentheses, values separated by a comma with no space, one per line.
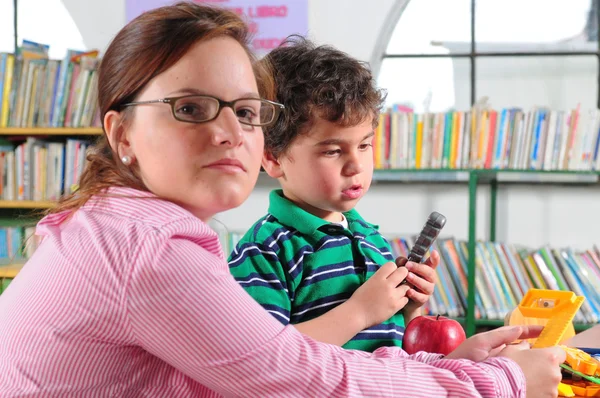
(353,192)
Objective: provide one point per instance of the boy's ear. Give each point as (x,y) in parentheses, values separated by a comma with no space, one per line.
(271,165)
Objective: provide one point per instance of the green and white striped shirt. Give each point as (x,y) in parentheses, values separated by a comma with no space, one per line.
(299,266)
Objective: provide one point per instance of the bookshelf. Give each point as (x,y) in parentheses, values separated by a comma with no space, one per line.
(7,273)
(472,51)
(26,204)
(19,216)
(49,117)
(10,271)
(473,179)
(485,175)
(50,131)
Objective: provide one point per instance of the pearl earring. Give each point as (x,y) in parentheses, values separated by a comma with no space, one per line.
(126,160)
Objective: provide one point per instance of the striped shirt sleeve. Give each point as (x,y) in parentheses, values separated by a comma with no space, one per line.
(184,307)
(258,270)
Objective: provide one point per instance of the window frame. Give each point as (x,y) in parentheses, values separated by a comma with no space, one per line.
(15,33)
(380,51)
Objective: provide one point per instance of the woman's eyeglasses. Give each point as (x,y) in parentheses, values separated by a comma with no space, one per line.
(204,108)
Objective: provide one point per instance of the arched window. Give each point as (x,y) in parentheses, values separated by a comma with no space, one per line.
(44,21)
(7,27)
(425,58)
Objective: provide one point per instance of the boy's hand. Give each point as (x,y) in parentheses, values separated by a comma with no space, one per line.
(421,278)
(381,296)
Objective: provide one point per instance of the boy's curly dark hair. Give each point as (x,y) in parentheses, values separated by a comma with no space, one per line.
(318,81)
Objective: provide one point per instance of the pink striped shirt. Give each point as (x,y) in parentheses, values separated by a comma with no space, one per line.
(132,297)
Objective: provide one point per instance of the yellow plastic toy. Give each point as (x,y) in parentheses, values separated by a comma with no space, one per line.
(553,309)
(565,390)
(559,306)
(556,310)
(578,389)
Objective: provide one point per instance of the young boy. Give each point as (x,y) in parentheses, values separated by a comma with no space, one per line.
(312,261)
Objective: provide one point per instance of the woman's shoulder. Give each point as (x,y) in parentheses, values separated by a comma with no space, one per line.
(120,231)
(127,211)
(140,207)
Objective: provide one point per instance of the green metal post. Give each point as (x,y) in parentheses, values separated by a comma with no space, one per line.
(493,197)
(470,321)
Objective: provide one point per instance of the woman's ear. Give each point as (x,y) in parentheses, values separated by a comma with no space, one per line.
(117,135)
(271,165)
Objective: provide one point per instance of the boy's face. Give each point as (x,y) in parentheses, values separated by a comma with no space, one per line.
(327,170)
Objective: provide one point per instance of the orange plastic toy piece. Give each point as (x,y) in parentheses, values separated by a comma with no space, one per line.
(516,318)
(581,361)
(559,307)
(583,388)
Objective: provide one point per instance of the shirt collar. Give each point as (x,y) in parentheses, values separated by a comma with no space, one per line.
(304,222)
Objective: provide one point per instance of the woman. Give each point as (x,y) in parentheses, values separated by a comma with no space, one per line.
(129,294)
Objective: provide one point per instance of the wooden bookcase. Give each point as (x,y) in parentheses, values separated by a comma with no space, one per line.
(27,212)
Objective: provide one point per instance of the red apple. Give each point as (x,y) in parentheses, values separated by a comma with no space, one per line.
(434,334)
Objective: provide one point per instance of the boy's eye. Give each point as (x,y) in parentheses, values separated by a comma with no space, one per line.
(364,146)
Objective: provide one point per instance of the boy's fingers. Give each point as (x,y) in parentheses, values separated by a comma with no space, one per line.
(433,260)
(403,290)
(386,270)
(396,277)
(416,296)
(422,285)
(402,302)
(423,271)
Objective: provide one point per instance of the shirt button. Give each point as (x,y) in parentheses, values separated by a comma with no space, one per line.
(331,229)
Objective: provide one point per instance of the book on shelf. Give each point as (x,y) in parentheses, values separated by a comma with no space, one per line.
(17,244)
(504,273)
(41,169)
(485,138)
(36,91)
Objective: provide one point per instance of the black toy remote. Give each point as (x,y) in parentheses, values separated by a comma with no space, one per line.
(434,224)
(429,233)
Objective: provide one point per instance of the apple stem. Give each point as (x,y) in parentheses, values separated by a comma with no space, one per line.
(437,317)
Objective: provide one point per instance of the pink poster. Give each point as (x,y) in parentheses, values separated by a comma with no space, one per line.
(270,21)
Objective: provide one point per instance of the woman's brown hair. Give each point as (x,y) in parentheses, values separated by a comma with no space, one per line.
(143,49)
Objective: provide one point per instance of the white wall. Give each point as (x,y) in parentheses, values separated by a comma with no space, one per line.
(559,83)
(553,82)
(351,25)
(98,21)
(529,215)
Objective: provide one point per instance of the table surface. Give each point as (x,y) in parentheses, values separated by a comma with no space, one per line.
(589,338)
